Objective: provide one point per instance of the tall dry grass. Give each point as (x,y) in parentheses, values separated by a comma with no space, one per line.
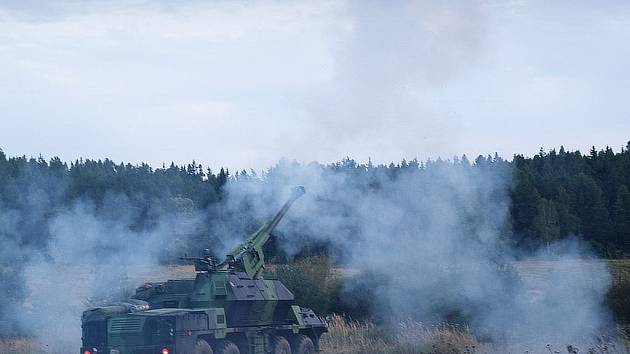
(353,337)
(410,337)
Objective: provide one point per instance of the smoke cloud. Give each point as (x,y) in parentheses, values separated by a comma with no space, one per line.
(94,256)
(432,244)
(427,242)
(389,62)
(59,258)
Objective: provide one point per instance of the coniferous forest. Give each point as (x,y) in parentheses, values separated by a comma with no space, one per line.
(554,194)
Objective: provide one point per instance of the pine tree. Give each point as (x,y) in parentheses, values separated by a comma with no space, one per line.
(589,206)
(546,223)
(525,200)
(621,219)
(222,177)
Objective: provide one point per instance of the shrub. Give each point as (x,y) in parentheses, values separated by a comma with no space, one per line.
(313,281)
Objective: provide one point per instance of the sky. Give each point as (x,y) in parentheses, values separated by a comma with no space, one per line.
(243,84)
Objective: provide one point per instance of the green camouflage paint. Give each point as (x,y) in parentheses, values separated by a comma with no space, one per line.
(227,309)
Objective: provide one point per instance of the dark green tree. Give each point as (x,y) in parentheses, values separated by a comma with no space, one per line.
(621,218)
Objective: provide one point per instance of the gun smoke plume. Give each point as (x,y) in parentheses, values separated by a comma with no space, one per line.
(436,243)
(429,243)
(57,259)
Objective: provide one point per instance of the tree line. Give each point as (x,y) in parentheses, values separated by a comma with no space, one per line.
(553,195)
(562,193)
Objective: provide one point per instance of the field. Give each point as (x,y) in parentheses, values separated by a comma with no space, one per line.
(351,337)
(365,338)
(347,337)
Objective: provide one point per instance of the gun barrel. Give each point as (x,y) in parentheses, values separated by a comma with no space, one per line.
(295,194)
(249,255)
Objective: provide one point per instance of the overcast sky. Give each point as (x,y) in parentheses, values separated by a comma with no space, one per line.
(242,84)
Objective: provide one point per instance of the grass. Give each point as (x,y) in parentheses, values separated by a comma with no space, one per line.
(353,337)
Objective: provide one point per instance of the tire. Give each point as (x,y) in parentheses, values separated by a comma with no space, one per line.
(281,345)
(226,347)
(202,347)
(303,345)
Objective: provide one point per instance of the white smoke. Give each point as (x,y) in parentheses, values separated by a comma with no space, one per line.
(431,243)
(93,255)
(438,241)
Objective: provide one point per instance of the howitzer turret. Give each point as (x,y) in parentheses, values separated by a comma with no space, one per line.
(228,308)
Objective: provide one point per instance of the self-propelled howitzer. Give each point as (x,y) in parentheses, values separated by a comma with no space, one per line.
(228,308)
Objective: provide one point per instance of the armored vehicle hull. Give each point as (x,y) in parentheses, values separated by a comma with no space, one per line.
(198,331)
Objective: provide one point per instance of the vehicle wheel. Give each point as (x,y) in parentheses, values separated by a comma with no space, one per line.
(202,347)
(226,347)
(281,345)
(303,345)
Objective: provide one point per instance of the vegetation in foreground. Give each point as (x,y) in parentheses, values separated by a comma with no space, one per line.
(352,337)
